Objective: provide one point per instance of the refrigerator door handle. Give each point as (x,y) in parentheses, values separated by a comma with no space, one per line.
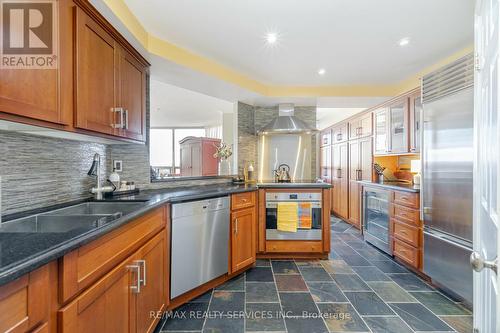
(446,239)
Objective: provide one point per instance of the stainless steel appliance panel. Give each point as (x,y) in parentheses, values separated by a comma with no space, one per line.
(272,200)
(447,163)
(200,238)
(375,218)
(446,260)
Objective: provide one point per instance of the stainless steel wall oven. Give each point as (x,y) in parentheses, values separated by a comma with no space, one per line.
(272,201)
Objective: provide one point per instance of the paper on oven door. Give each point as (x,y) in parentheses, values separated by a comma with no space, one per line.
(288,216)
(305,215)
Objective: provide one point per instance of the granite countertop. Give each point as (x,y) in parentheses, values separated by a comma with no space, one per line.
(394,186)
(22,252)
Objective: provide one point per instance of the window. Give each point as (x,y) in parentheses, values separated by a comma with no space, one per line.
(164,149)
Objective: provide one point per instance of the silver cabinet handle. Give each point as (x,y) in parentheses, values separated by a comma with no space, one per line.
(235,226)
(125,115)
(142,263)
(339,173)
(360,131)
(478,263)
(137,288)
(120,111)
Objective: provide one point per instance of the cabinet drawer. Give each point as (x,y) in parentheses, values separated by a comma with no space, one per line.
(242,200)
(407,215)
(407,253)
(294,246)
(406,199)
(407,233)
(87,264)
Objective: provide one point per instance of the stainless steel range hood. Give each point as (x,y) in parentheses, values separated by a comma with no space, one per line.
(286,123)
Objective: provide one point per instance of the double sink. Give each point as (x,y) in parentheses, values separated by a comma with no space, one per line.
(85,216)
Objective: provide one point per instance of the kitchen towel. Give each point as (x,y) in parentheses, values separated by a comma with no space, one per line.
(305,215)
(288,216)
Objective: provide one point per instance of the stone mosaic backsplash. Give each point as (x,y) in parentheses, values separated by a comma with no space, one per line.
(252,118)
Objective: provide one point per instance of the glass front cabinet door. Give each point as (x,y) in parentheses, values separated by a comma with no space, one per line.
(398,126)
(381,122)
(415,113)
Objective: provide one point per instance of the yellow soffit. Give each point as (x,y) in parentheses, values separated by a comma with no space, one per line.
(183,57)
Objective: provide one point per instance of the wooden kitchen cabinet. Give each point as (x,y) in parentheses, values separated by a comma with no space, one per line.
(398,126)
(392,128)
(25,302)
(107,306)
(243,237)
(154,293)
(354,204)
(340,180)
(132,96)
(381,135)
(361,126)
(407,228)
(96,87)
(110,83)
(326,163)
(415,125)
(123,299)
(360,168)
(31,95)
(339,133)
(325,137)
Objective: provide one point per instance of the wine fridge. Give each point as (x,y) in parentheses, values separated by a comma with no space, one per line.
(376,218)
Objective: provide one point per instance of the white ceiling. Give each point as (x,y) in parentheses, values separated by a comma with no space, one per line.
(356,41)
(172,106)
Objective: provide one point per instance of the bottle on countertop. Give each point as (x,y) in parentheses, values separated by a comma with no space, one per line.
(114,178)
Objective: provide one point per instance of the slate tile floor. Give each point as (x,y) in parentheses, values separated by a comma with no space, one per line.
(359,289)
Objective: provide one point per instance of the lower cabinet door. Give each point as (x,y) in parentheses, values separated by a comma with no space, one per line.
(354,204)
(104,307)
(153,295)
(243,226)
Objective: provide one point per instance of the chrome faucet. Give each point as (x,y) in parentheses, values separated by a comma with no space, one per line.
(95,171)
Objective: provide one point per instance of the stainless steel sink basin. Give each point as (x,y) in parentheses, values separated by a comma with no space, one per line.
(85,216)
(55,223)
(98,208)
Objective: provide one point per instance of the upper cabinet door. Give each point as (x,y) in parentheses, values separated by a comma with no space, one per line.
(132,97)
(96,82)
(361,127)
(415,112)
(326,137)
(43,94)
(398,126)
(381,138)
(339,133)
(365,123)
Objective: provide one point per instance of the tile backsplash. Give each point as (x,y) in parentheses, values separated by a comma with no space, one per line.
(39,171)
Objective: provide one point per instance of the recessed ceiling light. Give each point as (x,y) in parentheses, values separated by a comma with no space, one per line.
(321,71)
(404,41)
(271,37)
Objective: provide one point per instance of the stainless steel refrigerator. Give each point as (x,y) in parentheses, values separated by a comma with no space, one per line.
(447,170)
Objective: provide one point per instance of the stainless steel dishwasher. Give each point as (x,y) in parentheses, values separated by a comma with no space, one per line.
(200,243)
